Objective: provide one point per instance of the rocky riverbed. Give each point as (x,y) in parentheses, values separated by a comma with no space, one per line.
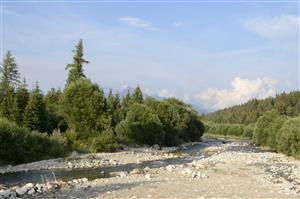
(214,168)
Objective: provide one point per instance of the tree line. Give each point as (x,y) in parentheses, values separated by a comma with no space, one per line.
(273,122)
(81,117)
(285,103)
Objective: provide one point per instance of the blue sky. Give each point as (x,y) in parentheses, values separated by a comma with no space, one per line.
(210,54)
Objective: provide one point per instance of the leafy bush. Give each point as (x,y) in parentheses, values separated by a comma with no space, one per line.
(141,126)
(106,141)
(248,131)
(235,129)
(224,129)
(59,144)
(267,127)
(289,141)
(12,140)
(189,126)
(169,118)
(18,144)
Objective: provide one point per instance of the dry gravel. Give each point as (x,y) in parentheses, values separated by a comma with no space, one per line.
(227,170)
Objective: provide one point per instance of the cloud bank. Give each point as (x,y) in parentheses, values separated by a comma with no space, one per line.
(241,91)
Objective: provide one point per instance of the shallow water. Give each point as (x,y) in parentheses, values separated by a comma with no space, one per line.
(194,152)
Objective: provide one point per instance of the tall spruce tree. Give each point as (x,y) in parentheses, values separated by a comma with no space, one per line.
(20,102)
(9,79)
(137,95)
(76,68)
(117,110)
(110,102)
(35,111)
(10,75)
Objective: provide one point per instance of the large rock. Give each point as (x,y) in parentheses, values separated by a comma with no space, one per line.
(21,191)
(31,191)
(156,146)
(84,180)
(28,186)
(5,193)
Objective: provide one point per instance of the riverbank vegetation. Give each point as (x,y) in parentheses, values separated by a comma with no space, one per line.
(276,126)
(81,117)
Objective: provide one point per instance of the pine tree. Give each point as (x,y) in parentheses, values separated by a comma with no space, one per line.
(126,103)
(35,112)
(9,79)
(127,100)
(20,102)
(10,75)
(54,117)
(117,115)
(117,101)
(137,96)
(76,68)
(110,102)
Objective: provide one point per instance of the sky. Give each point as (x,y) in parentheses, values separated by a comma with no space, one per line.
(211,54)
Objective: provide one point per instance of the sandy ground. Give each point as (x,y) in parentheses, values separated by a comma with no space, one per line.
(212,169)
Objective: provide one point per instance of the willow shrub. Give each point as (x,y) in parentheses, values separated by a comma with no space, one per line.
(18,144)
(289,141)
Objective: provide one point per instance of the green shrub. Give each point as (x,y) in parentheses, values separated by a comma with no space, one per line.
(223,129)
(12,140)
(106,141)
(18,145)
(235,130)
(248,131)
(141,126)
(59,144)
(266,131)
(289,141)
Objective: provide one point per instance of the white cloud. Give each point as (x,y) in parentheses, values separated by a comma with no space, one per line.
(283,26)
(177,24)
(166,94)
(138,23)
(241,91)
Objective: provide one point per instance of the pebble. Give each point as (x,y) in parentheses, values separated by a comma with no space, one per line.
(147,176)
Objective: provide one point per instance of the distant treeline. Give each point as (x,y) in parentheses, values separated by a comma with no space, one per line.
(80,117)
(273,122)
(285,104)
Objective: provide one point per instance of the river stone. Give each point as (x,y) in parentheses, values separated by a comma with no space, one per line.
(170,167)
(38,188)
(28,186)
(21,191)
(147,176)
(84,180)
(70,165)
(31,191)
(5,193)
(156,146)
(135,171)
(146,168)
